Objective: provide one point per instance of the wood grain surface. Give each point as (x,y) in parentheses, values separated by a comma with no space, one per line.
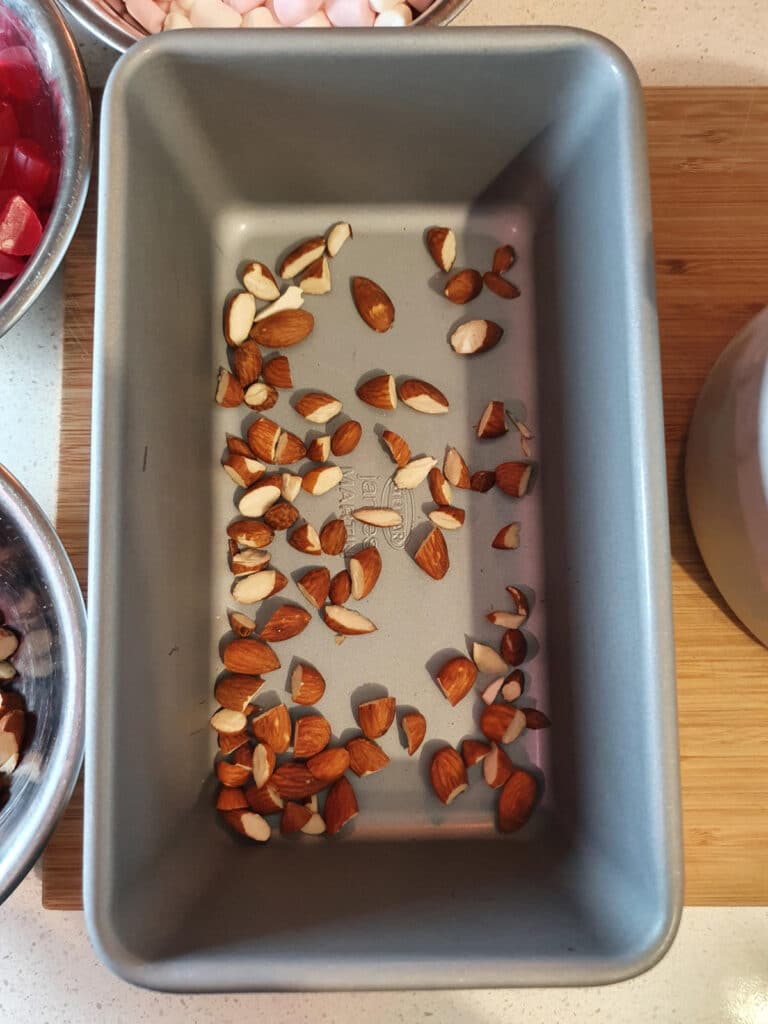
(709,179)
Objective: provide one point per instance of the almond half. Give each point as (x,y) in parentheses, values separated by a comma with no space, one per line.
(482,480)
(516,801)
(247,363)
(250,533)
(229,391)
(239,313)
(237,692)
(301,257)
(488,660)
(319,448)
(316,279)
(513,686)
(281,516)
(447,517)
(249,824)
(503,259)
(455,469)
(263,764)
(329,764)
(493,422)
(365,757)
(322,479)
(414,473)
(263,435)
(258,586)
(241,624)
(340,806)
(318,407)
(519,600)
(273,727)
(346,621)
(336,237)
(373,304)
(376,716)
(259,281)
(500,285)
(277,371)
(264,799)
(364,571)
(385,518)
(250,657)
(307,684)
(285,622)
(497,767)
(535,719)
(242,471)
(379,392)
(514,647)
(290,486)
(439,487)
(507,620)
(294,781)
(341,588)
(397,447)
(475,336)
(502,723)
(257,499)
(260,396)
(333,537)
(508,537)
(305,539)
(315,585)
(432,555)
(290,448)
(284,328)
(513,478)
(448,775)
(441,243)
(456,678)
(414,726)
(422,396)
(473,751)
(312,733)
(294,817)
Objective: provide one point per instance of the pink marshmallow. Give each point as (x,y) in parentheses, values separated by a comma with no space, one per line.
(147,13)
(318,20)
(213,14)
(260,17)
(244,6)
(349,13)
(292,12)
(395,17)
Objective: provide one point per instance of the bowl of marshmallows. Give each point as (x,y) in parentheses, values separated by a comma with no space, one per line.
(119,23)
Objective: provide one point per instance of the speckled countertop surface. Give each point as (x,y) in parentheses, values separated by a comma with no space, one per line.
(717,970)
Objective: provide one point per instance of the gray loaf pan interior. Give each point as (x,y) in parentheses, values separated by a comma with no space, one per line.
(219,146)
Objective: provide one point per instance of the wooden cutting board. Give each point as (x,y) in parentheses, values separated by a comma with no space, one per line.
(709,172)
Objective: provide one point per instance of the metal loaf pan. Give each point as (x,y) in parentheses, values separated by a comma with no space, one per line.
(222,147)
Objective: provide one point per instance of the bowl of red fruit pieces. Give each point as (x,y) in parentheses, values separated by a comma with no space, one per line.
(45,149)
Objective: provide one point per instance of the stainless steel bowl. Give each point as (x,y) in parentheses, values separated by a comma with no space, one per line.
(110,22)
(56,53)
(41,600)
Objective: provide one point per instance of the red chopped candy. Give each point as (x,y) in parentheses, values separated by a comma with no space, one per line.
(19,75)
(20,228)
(9,125)
(27,169)
(10,267)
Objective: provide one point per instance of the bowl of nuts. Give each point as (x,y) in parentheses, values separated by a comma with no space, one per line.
(42,665)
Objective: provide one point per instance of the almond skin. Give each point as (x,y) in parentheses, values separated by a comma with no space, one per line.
(237,691)
(329,764)
(283,329)
(397,447)
(482,480)
(463,287)
(273,727)
(277,371)
(281,516)
(414,726)
(294,781)
(346,438)
(519,601)
(341,588)
(365,756)
(315,585)
(286,622)
(229,391)
(307,684)
(265,799)
(432,555)
(376,716)
(456,678)
(250,657)
(448,775)
(333,538)
(340,806)
(294,817)
(373,304)
(516,801)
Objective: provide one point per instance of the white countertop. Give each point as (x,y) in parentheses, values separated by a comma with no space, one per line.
(717,970)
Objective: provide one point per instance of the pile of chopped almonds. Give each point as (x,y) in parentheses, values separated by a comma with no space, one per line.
(258,775)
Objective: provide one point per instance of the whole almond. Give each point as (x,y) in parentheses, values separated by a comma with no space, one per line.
(463,287)
(307,684)
(273,727)
(340,806)
(373,304)
(456,678)
(441,243)
(250,533)
(312,733)
(376,716)
(397,447)
(277,371)
(365,756)
(503,259)
(379,392)
(281,516)
(432,555)
(329,764)
(333,537)
(475,336)
(341,588)
(315,585)
(448,775)
(414,726)
(346,438)
(516,801)
(285,622)
(250,657)
(247,363)
(283,329)
(229,391)
(500,286)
